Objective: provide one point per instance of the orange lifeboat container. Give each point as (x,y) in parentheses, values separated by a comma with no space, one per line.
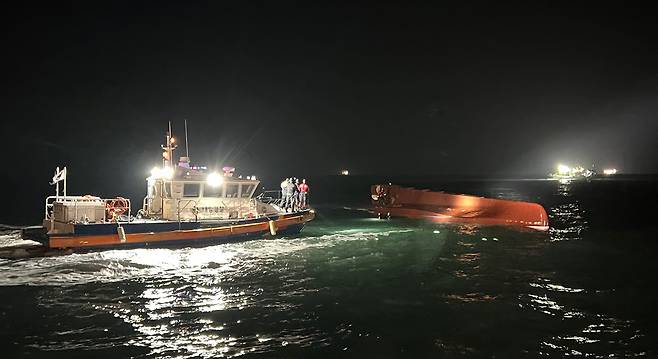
(396,201)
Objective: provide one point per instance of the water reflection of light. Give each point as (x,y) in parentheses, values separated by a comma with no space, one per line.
(471,297)
(564,189)
(581,330)
(374,219)
(191,296)
(556,287)
(613,332)
(467,229)
(544,304)
(567,218)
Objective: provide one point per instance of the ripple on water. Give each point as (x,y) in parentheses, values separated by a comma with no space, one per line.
(567,221)
(213,301)
(578,329)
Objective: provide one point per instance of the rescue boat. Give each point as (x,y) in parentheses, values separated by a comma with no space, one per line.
(394,201)
(184,205)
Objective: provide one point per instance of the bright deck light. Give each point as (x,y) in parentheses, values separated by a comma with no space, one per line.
(609,171)
(345,172)
(167,173)
(215,179)
(156,172)
(563,170)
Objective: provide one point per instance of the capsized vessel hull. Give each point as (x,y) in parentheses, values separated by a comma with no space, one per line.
(397,201)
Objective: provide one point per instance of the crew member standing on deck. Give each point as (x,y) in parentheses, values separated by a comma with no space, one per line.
(295,195)
(284,191)
(303,191)
(289,195)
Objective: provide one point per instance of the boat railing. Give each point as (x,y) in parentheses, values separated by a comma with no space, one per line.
(270,197)
(51,200)
(187,203)
(273,197)
(146,203)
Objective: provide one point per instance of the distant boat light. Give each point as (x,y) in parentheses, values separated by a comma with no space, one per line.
(609,171)
(563,170)
(345,172)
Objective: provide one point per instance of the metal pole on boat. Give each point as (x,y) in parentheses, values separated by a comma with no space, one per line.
(56,184)
(187,149)
(64,181)
(169,146)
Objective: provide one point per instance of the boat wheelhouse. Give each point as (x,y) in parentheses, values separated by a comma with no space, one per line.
(190,194)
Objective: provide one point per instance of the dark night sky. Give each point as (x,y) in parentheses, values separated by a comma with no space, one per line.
(311,89)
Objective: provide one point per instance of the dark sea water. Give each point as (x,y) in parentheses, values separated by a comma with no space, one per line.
(354,286)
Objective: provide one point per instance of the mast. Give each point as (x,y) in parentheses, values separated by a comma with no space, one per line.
(56,184)
(187,148)
(169,138)
(168,147)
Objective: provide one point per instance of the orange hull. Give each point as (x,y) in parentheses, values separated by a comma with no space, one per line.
(178,236)
(399,201)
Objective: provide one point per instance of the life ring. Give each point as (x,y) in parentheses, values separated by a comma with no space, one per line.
(116,207)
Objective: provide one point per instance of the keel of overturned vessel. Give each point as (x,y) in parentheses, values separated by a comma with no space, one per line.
(395,201)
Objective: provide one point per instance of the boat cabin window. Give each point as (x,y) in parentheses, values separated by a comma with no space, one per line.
(246,190)
(191,189)
(232,190)
(212,191)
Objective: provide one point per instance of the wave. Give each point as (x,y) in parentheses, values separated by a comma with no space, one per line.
(127,264)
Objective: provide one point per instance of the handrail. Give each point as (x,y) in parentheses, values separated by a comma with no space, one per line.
(274,197)
(269,196)
(178,209)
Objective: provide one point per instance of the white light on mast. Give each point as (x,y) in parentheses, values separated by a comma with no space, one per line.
(167,173)
(215,179)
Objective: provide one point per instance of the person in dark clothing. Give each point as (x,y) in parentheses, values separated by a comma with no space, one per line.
(295,196)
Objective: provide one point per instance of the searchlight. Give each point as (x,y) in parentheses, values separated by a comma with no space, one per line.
(164,173)
(215,179)
(156,172)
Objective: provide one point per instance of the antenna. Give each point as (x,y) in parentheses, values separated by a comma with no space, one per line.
(169,152)
(187,148)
